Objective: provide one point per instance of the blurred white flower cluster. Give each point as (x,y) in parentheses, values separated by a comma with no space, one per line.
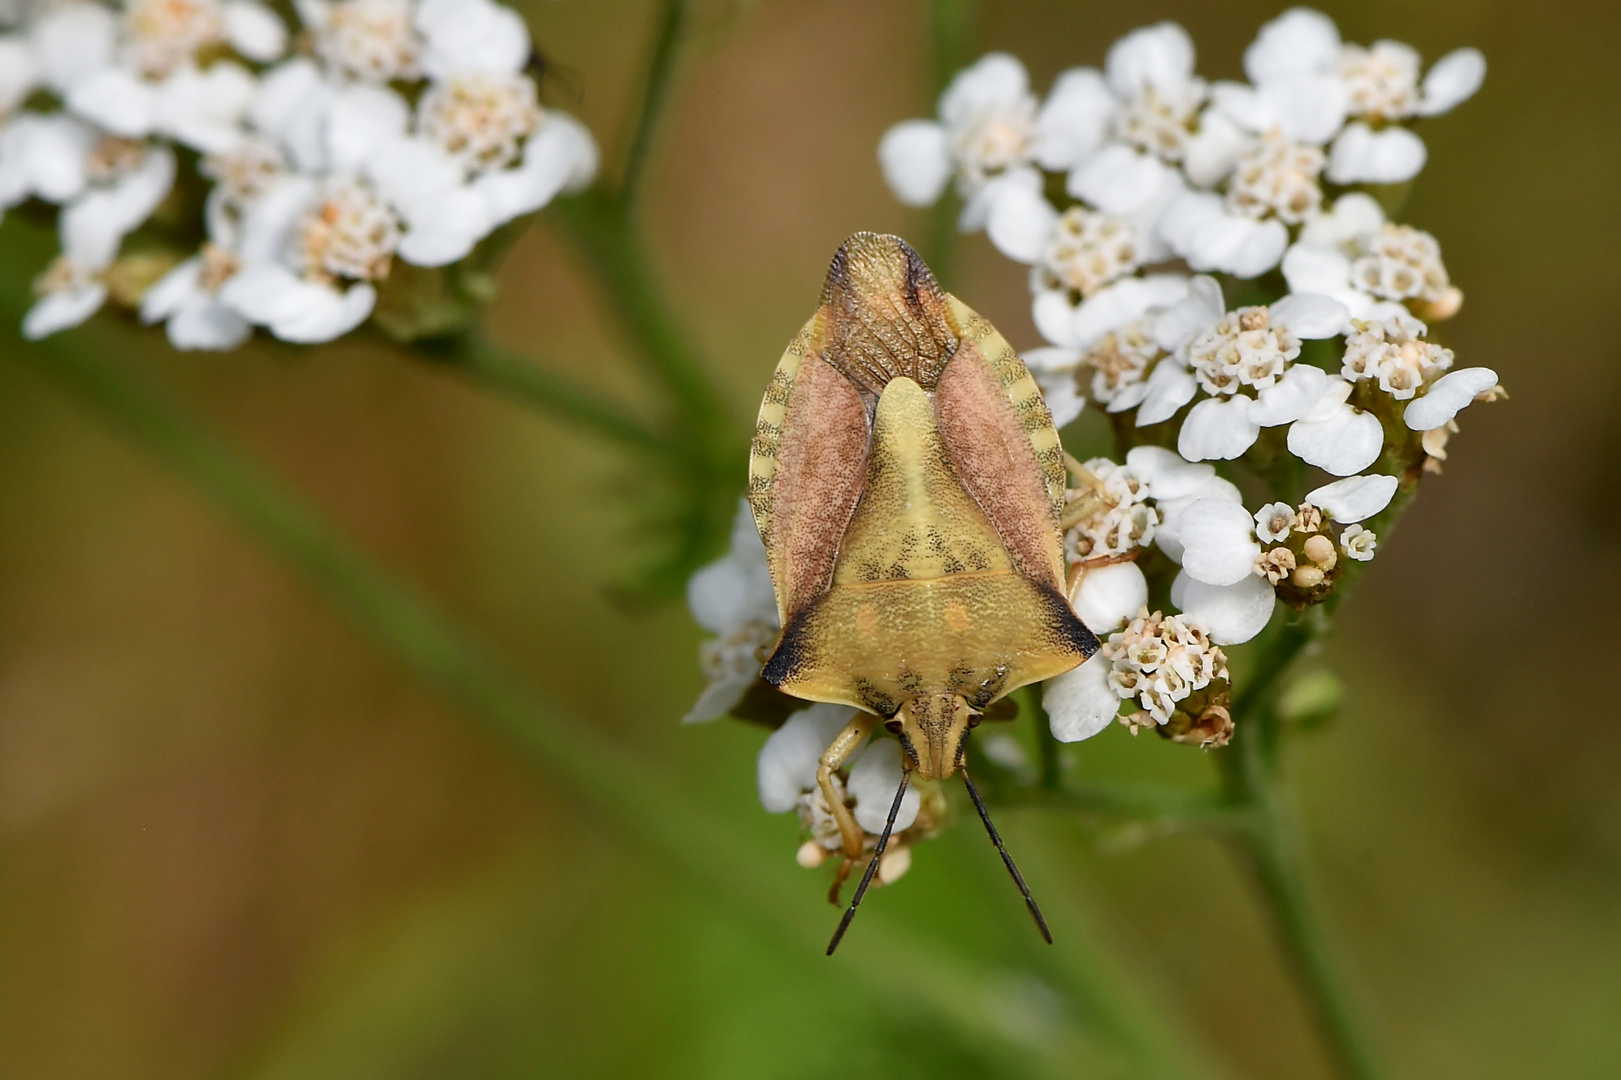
(401,129)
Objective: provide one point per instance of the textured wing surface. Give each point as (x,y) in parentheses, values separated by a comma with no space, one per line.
(806,468)
(1003,446)
(886,316)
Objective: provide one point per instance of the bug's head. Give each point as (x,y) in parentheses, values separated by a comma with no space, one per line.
(932,730)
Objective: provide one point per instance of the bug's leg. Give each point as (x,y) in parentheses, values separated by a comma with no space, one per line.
(842,746)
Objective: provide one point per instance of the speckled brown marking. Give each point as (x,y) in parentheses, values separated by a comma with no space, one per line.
(992,456)
(886,316)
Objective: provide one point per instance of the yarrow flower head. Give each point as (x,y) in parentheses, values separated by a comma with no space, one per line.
(1377,269)
(323,171)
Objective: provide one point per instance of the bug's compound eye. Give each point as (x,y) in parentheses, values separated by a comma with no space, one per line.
(893,726)
(974,719)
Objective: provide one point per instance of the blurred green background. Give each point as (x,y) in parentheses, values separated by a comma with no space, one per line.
(238,841)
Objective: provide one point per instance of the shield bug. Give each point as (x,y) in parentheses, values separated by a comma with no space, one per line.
(907,481)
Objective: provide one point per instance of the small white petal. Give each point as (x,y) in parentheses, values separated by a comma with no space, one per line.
(1119,180)
(204,109)
(995,81)
(1451,81)
(1168,537)
(269,221)
(471,35)
(1218,541)
(1198,227)
(1355,499)
(1074,122)
(1449,394)
(93,225)
(1062,394)
(718,595)
(1168,474)
(72,41)
(207,324)
(326,316)
(18,72)
(1021,220)
(62,309)
(1309,268)
(172,290)
(444,229)
(44,156)
(1363,156)
(291,108)
(1310,108)
(1232,614)
(1336,438)
(1170,386)
(1153,57)
(1291,397)
(1310,315)
(1354,215)
(116,100)
(1124,301)
(788,759)
(410,172)
(1244,106)
(1213,150)
(1050,359)
(1296,42)
(1106,596)
(1192,315)
(1218,429)
(916,161)
(874,779)
(253,30)
(720,697)
(294,309)
(1054,317)
(362,120)
(1080,703)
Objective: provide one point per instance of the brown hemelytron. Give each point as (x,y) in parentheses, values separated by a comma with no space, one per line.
(907,481)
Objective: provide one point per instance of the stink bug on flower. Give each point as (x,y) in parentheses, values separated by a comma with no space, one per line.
(907,481)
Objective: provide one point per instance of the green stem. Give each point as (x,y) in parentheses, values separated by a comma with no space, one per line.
(496,369)
(951,31)
(1273,846)
(1275,850)
(608,238)
(672,27)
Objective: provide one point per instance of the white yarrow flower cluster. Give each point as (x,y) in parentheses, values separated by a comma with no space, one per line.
(411,132)
(1161,164)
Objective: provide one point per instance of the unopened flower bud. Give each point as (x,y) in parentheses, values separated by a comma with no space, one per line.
(1320,550)
(1307,577)
(896,861)
(811,854)
(1445,306)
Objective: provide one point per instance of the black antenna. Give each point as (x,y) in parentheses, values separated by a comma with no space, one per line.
(877,854)
(1018,878)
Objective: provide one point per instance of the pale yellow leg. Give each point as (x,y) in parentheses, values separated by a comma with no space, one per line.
(842,746)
